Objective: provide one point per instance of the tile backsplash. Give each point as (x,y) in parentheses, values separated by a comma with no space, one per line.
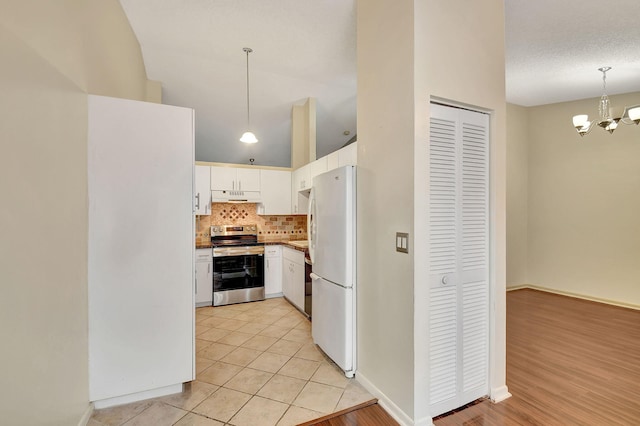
(270,228)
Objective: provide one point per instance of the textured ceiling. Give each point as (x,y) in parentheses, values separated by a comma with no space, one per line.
(307,48)
(554,49)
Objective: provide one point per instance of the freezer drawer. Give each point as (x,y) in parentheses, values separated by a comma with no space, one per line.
(332,326)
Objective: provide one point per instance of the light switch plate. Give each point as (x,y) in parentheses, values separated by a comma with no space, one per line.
(402,242)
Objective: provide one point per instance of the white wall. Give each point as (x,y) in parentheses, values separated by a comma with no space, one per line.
(583,227)
(517,194)
(409,51)
(45,75)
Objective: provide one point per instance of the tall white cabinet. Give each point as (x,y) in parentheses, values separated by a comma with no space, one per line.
(458,257)
(140,251)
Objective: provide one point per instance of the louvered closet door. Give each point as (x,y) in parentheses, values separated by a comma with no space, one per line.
(458,257)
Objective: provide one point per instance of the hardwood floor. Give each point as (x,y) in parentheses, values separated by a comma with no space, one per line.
(569,362)
(368,413)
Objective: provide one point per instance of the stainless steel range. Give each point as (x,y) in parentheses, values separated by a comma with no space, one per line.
(238,264)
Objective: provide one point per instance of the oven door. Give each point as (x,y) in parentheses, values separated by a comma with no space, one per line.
(238,278)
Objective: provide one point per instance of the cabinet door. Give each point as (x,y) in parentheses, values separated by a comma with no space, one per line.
(223,179)
(317,167)
(273,275)
(275,192)
(272,269)
(287,273)
(301,178)
(297,282)
(204,283)
(203,190)
(348,156)
(248,179)
(333,160)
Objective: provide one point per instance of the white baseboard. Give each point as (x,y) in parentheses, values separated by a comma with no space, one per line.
(499,394)
(575,296)
(86,416)
(139,396)
(386,403)
(273,295)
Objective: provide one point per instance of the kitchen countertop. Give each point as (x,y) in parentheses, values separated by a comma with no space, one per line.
(208,245)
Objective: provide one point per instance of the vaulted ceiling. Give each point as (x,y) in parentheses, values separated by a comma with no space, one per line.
(307,48)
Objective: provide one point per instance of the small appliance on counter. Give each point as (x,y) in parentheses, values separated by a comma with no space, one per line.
(238,264)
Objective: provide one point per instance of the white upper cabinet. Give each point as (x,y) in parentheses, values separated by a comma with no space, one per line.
(275,192)
(333,161)
(234,179)
(302,178)
(348,156)
(202,190)
(317,167)
(248,179)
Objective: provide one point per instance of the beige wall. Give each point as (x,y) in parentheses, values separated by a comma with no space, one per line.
(47,51)
(583,227)
(385,196)
(303,133)
(517,194)
(404,58)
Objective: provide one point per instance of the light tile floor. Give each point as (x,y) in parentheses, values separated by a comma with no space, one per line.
(256,365)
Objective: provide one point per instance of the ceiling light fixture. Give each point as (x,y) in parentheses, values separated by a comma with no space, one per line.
(631,114)
(248,136)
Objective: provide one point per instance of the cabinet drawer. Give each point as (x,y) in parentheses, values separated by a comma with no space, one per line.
(293,255)
(204,255)
(272,251)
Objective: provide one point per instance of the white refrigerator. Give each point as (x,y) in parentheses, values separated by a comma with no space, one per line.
(332,248)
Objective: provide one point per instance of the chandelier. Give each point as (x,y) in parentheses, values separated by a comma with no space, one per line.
(631,115)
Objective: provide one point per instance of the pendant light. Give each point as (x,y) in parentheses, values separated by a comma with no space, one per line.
(248,136)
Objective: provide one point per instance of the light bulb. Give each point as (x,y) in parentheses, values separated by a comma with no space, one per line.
(580,120)
(248,137)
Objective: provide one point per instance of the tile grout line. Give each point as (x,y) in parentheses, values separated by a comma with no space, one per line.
(300,328)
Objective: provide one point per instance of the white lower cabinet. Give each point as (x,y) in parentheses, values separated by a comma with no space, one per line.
(293,276)
(272,271)
(204,277)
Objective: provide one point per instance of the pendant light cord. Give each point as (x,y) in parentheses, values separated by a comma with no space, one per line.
(248,50)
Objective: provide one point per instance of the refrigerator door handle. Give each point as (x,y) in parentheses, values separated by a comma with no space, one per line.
(316,277)
(311,225)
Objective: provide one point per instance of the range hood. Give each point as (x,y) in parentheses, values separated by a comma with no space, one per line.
(236,196)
